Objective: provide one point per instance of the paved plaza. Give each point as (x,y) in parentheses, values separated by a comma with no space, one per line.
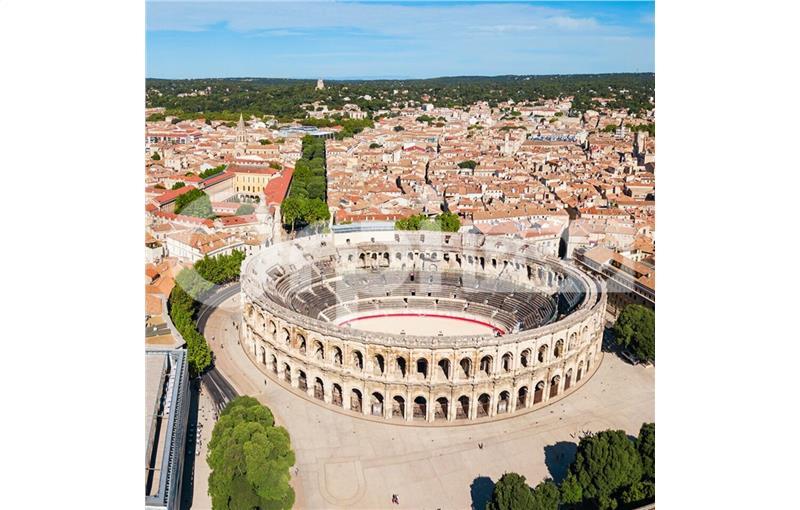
(344,461)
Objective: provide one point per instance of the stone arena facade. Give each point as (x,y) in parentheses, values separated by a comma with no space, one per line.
(296,294)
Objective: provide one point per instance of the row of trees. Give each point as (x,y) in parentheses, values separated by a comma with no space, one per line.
(635,330)
(191,285)
(306,202)
(444,222)
(194,203)
(610,471)
(205,174)
(249,459)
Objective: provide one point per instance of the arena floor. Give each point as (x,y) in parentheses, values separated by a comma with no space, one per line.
(421,324)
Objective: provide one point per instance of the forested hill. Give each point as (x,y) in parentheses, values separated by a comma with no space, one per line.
(220,98)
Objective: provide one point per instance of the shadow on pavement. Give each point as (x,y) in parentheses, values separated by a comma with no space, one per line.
(481,492)
(558,457)
(187,480)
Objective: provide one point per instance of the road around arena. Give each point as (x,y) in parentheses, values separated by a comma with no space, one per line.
(344,461)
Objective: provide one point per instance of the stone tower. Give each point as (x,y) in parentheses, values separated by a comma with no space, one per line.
(320,84)
(241,131)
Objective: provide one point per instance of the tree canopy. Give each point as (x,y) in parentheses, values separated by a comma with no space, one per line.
(205,174)
(249,459)
(178,185)
(635,329)
(444,222)
(471,164)
(511,493)
(245,209)
(194,203)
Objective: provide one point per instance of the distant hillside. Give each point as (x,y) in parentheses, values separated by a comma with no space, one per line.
(224,98)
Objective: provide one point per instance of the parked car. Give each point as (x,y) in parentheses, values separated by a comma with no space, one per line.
(630,358)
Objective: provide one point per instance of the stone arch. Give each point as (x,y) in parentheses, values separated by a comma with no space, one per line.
(466,367)
(274,364)
(302,380)
(507,362)
(263,355)
(400,364)
(355,400)
(568,379)
(337,356)
(554,385)
(538,394)
(319,389)
(503,402)
(580,372)
(376,404)
(525,358)
(300,342)
(358,360)
(287,373)
(444,366)
(573,341)
(285,335)
(422,367)
(462,409)
(522,397)
(542,355)
(558,350)
(398,407)
(585,334)
(378,364)
(273,329)
(336,395)
(319,351)
(486,364)
(420,408)
(441,409)
(484,404)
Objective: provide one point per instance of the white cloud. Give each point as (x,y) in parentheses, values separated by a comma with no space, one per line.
(570,23)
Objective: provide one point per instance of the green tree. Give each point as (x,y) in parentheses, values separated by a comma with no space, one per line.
(194,203)
(468,164)
(178,185)
(399,128)
(511,493)
(205,174)
(635,329)
(546,496)
(374,145)
(646,445)
(639,494)
(291,208)
(155,157)
(449,222)
(245,209)
(606,463)
(571,491)
(249,459)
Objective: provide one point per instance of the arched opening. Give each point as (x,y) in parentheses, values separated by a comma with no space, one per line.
(355,400)
(422,367)
(506,361)
(336,395)
(285,335)
(378,365)
(440,411)
(263,355)
(522,397)
(319,351)
(358,360)
(462,410)
(398,407)
(274,364)
(337,356)
(559,349)
(300,342)
(580,372)
(486,365)
(444,366)
(466,367)
(484,401)
(525,358)
(376,404)
(420,408)
(573,341)
(302,382)
(568,379)
(554,386)
(542,354)
(272,329)
(287,373)
(538,393)
(400,363)
(319,389)
(503,403)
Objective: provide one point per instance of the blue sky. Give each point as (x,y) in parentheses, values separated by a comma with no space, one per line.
(330,39)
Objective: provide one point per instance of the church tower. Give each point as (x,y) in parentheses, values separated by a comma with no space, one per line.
(241,131)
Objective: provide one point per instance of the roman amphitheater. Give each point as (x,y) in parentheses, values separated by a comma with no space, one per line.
(423,328)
